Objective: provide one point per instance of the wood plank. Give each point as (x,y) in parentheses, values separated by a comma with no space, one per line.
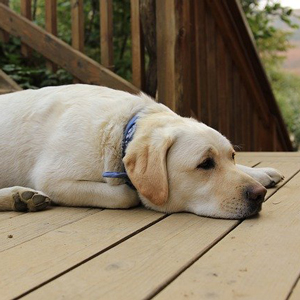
(6,215)
(295,293)
(235,120)
(244,114)
(4,37)
(7,83)
(228,28)
(51,25)
(28,226)
(186,45)
(137,46)
(191,71)
(223,116)
(259,259)
(243,29)
(170,61)
(78,64)
(229,92)
(272,156)
(248,124)
(106,34)
(142,265)
(200,36)
(26,12)
(77,17)
(36,261)
(212,91)
(288,169)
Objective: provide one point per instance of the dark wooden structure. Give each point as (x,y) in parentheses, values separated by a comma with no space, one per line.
(207,64)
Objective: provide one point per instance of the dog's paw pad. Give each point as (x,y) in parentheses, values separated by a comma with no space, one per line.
(30,201)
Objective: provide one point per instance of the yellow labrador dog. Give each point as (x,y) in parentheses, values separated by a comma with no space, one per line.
(82,145)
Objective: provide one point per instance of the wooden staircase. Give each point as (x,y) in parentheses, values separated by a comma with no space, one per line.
(7,85)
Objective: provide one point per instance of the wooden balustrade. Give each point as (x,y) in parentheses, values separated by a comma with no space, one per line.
(51,25)
(26,12)
(206,64)
(4,35)
(106,36)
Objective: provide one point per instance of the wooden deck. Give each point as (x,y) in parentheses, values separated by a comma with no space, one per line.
(82,253)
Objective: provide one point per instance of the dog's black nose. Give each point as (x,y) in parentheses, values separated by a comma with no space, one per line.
(256,194)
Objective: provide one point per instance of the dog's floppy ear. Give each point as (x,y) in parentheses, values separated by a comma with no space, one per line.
(146,166)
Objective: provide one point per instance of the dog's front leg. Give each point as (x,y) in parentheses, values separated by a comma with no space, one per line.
(23,199)
(268,177)
(90,193)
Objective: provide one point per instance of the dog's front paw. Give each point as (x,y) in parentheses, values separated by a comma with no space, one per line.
(30,200)
(268,177)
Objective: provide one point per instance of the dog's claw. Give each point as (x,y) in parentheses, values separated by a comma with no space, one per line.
(271,184)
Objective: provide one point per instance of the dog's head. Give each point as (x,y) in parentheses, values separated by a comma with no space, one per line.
(179,164)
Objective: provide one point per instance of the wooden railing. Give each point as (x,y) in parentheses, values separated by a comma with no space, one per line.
(202,62)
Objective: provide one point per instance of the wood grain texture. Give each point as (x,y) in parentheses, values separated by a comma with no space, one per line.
(137,46)
(51,25)
(79,65)
(257,260)
(171,62)
(295,294)
(26,12)
(28,226)
(38,260)
(66,253)
(106,34)
(77,25)
(142,264)
(6,215)
(4,37)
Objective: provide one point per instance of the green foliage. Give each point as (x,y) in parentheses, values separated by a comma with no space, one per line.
(286,87)
(32,73)
(29,73)
(272,44)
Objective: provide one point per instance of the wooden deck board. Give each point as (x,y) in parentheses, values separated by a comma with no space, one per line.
(40,259)
(295,294)
(26,227)
(259,259)
(69,253)
(142,264)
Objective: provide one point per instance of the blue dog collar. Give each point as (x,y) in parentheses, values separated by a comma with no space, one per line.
(127,138)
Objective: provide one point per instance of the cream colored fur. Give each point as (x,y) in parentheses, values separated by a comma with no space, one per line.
(59,141)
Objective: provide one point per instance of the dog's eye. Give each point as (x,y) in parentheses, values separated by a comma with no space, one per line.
(209,163)
(233,155)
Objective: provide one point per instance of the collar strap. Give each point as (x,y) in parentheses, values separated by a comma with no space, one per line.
(128,134)
(127,138)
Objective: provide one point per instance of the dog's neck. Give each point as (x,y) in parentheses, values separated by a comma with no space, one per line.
(128,133)
(127,138)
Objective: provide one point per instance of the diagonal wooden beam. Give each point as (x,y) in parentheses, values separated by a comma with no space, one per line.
(57,51)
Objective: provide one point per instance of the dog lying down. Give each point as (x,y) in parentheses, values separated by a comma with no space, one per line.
(82,145)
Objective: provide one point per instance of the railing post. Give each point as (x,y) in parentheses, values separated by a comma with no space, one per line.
(4,35)
(26,12)
(51,25)
(77,16)
(77,25)
(172,61)
(106,33)
(138,67)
